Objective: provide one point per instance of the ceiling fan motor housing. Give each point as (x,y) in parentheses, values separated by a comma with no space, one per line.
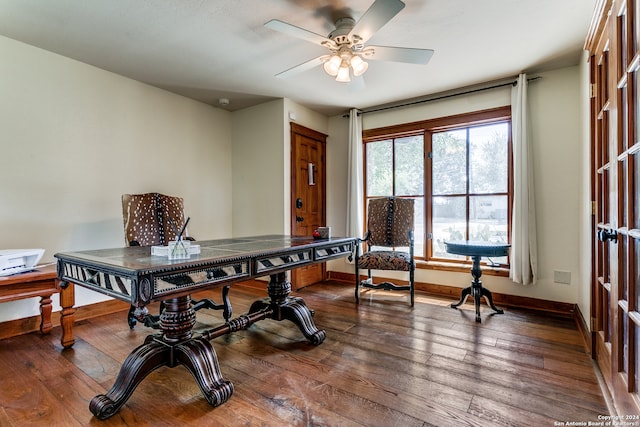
(343,27)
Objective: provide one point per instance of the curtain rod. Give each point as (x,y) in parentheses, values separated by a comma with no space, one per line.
(451,95)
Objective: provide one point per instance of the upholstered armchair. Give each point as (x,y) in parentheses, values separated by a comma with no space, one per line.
(388,244)
(152,219)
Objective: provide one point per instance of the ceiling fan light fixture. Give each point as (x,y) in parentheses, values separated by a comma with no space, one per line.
(332,66)
(343,74)
(358,65)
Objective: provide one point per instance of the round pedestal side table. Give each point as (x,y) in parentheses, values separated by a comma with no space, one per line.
(477,250)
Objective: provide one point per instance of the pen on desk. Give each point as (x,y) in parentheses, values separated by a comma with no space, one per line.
(175,230)
(178,239)
(184,227)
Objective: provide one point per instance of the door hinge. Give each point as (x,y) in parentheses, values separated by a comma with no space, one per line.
(594,324)
(430,155)
(594,207)
(429,236)
(592,90)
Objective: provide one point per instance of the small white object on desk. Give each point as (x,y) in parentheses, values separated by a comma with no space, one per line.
(182,249)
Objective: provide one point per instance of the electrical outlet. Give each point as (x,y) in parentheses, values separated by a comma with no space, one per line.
(562,277)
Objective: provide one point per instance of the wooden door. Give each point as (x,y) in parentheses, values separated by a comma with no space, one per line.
(615,291)
(307,194)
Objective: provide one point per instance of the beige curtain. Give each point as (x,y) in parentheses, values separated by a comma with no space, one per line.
(524,248)
(355,188)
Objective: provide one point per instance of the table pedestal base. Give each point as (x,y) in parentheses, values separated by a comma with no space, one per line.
(477,291)
(283,307)
(196,354)
(176,345)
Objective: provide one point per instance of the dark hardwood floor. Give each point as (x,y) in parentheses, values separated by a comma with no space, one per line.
(382,364)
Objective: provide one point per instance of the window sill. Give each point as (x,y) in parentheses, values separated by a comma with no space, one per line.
(464,267)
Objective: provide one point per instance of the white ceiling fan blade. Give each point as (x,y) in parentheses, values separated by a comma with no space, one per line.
(300,68)
(398,54)
(301,33)
(380,12)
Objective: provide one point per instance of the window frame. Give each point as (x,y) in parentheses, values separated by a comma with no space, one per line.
(427,128)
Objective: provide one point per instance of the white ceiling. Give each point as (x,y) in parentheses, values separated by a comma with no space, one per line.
(211,49)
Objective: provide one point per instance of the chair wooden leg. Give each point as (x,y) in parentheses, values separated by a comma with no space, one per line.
(357,290)
(386,285)
(412,285)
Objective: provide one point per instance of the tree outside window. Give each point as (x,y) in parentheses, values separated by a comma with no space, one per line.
(470,187)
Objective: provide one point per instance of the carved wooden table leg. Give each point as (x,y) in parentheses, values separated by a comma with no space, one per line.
(477,291)
(465,293)
(173,347)
(143,360)
(487,294)
(67,301)
(45,314)
(283,307)
(199,357)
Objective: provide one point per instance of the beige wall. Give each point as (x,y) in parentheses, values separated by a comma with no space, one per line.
(74,138)
(262,164)
(258,164)
(556,118)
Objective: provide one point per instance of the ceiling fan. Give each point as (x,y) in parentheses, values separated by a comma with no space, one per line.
(346,44)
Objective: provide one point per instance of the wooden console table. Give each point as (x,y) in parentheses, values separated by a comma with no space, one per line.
(42,282)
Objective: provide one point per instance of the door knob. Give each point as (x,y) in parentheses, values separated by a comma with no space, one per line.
(604,235)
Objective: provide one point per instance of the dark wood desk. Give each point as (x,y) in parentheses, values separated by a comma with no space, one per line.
(42,282)
(132,274)
(477,250)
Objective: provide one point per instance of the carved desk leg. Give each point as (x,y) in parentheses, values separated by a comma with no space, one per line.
(290,308)
(143,360)
(174,346)
(199,357)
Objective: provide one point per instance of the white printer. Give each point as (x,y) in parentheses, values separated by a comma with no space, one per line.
(14,261)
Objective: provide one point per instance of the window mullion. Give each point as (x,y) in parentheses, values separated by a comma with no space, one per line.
(393,167)
(468,189)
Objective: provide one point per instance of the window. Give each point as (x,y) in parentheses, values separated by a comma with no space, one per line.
(458,169)
(395,167)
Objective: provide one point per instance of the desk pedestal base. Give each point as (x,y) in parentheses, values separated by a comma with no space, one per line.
(176,345)
(196,354)
(281,306)
(477,291)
